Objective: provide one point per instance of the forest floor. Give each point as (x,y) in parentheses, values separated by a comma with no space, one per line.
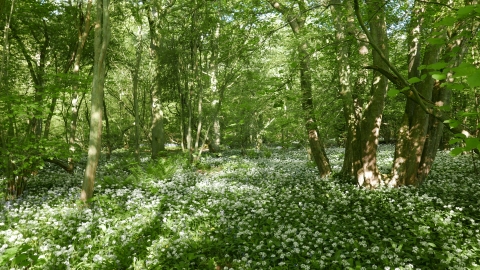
(265,210)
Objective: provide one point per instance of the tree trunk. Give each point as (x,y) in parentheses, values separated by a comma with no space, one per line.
(102,38)
(157,129)
(217,94)
(135,96)
(369,175)
(342,19)
(82,38)
(108,141)
(421,133)
(4,71)
(296,22)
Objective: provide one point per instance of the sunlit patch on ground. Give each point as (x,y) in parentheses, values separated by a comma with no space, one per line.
(244,213)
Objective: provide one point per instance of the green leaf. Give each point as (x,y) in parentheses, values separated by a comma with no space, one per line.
(465,11)
(456,86)
(456,151)
(393,93)
(445,108)
(471,143)
(437,66)
(452,123)
(467,114)
(21,260)
(453,141)
(474,80)
(436,41)
(414,80)
(464,70)
(439,77)
(447,21)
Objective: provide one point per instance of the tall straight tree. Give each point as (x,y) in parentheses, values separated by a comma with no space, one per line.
(83,30)
(102,38)
(342,15)
(296,20)
(157,11)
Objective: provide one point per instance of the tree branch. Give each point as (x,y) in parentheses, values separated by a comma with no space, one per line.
(410,91)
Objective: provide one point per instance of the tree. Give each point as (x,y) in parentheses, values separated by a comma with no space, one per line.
(102,38)
(296,20)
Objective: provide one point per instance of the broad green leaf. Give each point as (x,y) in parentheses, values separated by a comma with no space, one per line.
(437,66)
(393,93)
(414,80)
(474,80)
(467,114)
(447,21)
(452,123)
(445,108)
(453,141)
(456,151)
(423,77)
(460,135)
(439,77)
(464,11)
(436,41)
(464,70)
(456,86)
(471,143)
(21,260)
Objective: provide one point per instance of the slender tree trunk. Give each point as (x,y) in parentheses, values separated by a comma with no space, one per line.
(108,141)
(48,121)
(157,129)
(37,72)
(296,22)
(102,38)
(199,122)
(315,141)
(75,104)
(158,136)
(135,96)
(217,94)
(4,72)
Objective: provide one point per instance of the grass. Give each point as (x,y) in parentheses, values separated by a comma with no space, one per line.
(243,212)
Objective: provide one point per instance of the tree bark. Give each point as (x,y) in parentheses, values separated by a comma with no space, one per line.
(157,129)
(297,22)
(343,23)
(136,71)
(422,131)
(369,175)
(84,22)
(102,38)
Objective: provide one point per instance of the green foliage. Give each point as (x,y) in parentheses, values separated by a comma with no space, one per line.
(253,214)
(20,256)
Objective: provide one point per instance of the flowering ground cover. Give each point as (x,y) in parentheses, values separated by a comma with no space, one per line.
(266,210)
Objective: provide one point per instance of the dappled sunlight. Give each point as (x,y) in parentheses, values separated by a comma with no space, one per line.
(254,213)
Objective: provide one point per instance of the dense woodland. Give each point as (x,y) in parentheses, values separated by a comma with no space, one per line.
(116,92)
